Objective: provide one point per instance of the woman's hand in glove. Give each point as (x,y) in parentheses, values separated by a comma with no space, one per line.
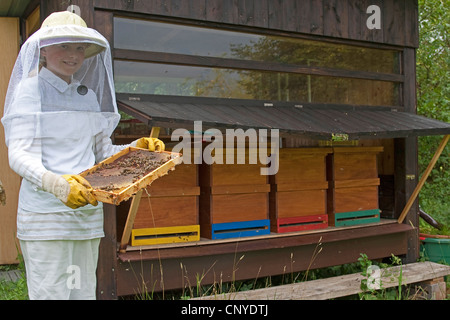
(73,190)
(152,144)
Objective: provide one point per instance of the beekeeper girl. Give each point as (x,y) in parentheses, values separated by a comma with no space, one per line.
(60,112)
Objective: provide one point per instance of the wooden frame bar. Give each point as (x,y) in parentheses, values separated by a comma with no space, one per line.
(189,60)
(134,207)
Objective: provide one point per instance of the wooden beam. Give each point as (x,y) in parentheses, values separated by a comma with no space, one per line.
(130,221)
(423,178)
(341,286)
(213,62)
(155,132)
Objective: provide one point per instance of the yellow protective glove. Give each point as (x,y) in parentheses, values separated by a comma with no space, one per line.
(73,190)
(151,144)
(80,192)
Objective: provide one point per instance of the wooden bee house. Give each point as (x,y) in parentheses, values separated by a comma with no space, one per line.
(353,185)
(168,211)
(276,75)
(298,197)
(234,199)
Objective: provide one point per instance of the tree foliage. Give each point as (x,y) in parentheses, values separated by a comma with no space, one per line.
(433,95)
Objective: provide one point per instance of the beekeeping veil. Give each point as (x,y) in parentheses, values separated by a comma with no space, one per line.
(30,113)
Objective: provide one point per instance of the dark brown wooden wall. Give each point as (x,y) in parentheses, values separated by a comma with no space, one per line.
(344,19)
(333,18)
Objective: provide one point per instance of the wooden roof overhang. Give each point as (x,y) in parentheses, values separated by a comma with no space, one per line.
(317,121)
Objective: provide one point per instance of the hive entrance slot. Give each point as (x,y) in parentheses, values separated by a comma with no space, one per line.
(236,230)
(166,235)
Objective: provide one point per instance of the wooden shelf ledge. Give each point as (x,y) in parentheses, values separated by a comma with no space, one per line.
(206,247)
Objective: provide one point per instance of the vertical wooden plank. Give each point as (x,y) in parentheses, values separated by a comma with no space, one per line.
(179,8)
(103,23)
(310,17)
(136,6)
(406,162)
(357,19)
(246,12)
(394,22)
(33,22)
(230,11)
(158,7)
(9,38)
(335,18)
(197,9)
(275,14)
(107,260)
(261,13)
(225,11)
(214,10)
(411,23)
(103,4)
(289,15)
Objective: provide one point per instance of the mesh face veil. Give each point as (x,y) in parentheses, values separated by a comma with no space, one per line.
(35,107)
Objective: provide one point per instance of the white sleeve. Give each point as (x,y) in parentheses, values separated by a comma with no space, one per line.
(25,159)
(104,148)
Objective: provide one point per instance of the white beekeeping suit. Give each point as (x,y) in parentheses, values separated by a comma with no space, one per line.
(55,129)
(60,111)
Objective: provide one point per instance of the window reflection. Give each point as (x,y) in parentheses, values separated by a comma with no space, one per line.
(182,39)
(163,79)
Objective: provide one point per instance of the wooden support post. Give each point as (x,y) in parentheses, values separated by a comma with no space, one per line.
(423,178)
(155,132)
(130,221)
(133,208)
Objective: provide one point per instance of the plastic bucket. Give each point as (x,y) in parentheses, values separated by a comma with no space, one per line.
(436,249)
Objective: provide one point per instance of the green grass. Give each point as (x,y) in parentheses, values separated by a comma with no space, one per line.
(16,290)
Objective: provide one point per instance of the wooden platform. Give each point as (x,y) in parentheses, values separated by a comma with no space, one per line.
(207,242)
(208,258)
(11,275)
(347,285)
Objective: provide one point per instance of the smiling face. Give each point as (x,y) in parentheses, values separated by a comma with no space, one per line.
(64,59)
